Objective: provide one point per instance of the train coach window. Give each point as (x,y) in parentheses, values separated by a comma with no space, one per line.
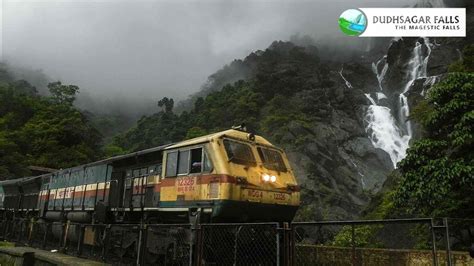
(196,160)
(154,169)
(207,163)
(239,153)
(271,159)
(183,162)
(171,163)
(136,173)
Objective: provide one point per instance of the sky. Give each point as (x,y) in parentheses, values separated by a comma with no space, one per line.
(145,50)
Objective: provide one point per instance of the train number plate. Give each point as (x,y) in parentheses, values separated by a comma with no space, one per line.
(280,196)
(185,184)
(254,194)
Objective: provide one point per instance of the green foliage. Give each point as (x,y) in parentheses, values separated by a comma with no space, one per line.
(113,150)
(466,64)
(363,236)
(64,94)
(264,102)
(437,176)
(166,104)
(195,132)
(36,130)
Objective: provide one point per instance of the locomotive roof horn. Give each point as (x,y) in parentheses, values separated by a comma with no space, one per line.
(241,127)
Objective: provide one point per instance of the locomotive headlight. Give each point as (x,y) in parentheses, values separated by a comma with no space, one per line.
(273,178)
(266,177)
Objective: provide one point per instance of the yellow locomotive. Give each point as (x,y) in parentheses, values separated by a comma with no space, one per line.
(233,175)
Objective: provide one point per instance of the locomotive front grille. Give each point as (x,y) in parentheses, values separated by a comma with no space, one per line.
(214,190)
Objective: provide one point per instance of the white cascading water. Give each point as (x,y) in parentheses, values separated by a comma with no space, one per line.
(348,84)
(385,132)
(417,66)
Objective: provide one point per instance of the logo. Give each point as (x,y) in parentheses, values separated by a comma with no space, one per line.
(352,22)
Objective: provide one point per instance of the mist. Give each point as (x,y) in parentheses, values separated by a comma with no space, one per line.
(133,53)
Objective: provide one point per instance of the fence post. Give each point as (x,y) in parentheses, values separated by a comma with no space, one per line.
(448,245)
(286,245)
(292,246)
(277,243)
(65,233)
(43,245)
(141,244)
(353,244)
(20,223)
(198,246)
(433,243)
(106,242)
(31,229)
(80,241)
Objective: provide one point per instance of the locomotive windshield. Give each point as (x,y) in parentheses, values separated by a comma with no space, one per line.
(239,153)
(271,159)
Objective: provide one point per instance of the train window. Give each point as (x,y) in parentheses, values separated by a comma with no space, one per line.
(271,159)
(143,171)
(183,162)
(101,173)
(90,177)
(136,173)
(109,172)
(196,160)
(239,153)
(207,163)
(171,163)
(128,182)
(154,169)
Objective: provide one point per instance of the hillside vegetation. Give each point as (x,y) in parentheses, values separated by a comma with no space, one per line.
(42,131)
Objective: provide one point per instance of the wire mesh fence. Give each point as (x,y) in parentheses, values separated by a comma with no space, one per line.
(239,244)
(169,244)
(377,242)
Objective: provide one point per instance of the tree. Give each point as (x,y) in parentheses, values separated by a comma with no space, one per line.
(36,130)
(166,104)
(437,176)
(64,94)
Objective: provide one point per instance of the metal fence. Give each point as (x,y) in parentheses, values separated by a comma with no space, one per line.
(374,242)
(239,244)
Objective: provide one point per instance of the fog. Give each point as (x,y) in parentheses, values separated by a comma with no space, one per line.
(136,52)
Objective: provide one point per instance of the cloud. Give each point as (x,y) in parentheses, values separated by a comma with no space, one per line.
(145,50)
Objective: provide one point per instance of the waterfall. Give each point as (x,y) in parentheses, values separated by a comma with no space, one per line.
(382,73)
(417,66)
(348,84)
(384,130)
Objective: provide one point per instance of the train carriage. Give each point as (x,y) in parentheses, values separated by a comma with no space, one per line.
(231,175)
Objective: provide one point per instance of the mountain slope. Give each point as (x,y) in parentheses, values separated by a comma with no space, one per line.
(301,104)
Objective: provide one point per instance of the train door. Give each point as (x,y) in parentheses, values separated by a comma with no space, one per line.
(127,189)
(52,192)
(138,188)
(152,180)
(43,196)
(116,189)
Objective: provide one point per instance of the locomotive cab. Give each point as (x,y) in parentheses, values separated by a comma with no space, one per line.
(232,175)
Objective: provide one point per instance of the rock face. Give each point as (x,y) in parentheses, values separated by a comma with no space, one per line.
(336,164)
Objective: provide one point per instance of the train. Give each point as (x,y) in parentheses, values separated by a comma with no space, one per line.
(228,176)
